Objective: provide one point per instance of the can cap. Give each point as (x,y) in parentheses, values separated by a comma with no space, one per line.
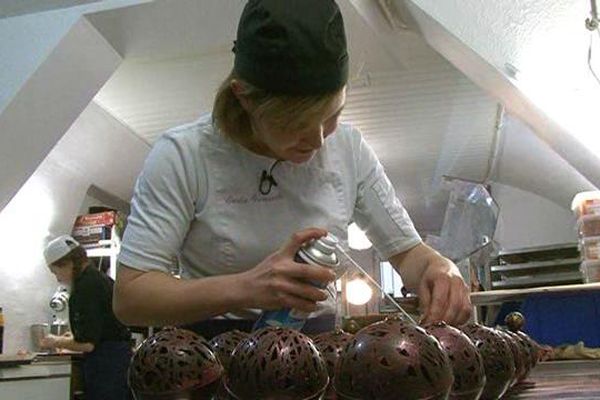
(323,250)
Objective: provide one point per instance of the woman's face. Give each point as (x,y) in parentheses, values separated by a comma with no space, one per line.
(299,144)
(63,271)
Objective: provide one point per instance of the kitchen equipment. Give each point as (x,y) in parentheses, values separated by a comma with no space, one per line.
(59,304)
(59,329)
(38,332)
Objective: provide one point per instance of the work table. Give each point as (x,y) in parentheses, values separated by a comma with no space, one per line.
(46,377)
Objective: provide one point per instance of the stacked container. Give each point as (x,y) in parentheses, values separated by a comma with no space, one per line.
(586,206)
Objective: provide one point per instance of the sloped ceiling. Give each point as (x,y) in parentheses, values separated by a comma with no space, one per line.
(532,56)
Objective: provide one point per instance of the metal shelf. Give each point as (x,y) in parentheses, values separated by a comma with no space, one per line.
(534,265)
(566,277)
(499,296)
(534,249)
(539,253)
(546,265)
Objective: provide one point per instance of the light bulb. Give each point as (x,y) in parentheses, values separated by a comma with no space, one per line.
(358,292)
(357,239)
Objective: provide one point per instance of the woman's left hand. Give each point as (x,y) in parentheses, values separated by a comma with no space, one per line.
(443,294)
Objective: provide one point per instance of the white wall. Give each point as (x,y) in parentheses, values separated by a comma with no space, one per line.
(527,219)
(96,150)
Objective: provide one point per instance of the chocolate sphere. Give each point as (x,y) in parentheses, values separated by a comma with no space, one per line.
(515,321)
(174,364)
(393,360)
(525,354)
(497,359)
(533,346)
(276,363)
(518,357)
(331,345)
(467,363)
(224,344)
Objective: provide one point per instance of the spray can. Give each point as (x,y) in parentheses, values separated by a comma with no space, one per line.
(320,252)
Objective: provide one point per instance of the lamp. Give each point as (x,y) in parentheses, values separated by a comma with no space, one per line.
(358,291)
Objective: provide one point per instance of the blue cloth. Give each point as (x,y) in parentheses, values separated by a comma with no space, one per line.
(213,327)
(105,372)
(563,318)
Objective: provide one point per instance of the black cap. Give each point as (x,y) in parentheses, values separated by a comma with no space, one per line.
(292,47)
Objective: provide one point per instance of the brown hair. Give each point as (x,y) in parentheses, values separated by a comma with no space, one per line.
(284,111)
(79,258)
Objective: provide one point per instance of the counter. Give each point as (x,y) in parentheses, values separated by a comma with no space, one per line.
(46,378)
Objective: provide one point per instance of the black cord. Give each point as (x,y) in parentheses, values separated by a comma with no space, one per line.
(267,181)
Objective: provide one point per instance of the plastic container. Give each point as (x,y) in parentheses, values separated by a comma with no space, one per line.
(586,203)
(590,247)
(588,225)
(38,332)
(591,271)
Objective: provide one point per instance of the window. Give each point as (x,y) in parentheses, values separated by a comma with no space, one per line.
(391,282)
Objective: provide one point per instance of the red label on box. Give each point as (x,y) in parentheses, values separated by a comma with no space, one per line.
(104,218)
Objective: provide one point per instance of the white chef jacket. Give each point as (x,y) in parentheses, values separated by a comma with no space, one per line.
(197,200)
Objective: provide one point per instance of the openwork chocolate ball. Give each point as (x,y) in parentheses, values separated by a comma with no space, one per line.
(515,321)
(467,363)
(518,355)
(276,363)
(525,354)
(497,359)
(393,360)
(224,344)
(174,364)
(331,346)
(534,348)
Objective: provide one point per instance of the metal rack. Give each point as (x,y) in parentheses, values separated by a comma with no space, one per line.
(533,267)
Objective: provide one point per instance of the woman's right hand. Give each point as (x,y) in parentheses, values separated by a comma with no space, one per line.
(280,282)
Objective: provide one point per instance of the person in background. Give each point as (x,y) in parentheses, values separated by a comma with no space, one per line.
(95,331)
(270,162)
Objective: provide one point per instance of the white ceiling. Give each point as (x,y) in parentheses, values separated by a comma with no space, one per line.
(424,118)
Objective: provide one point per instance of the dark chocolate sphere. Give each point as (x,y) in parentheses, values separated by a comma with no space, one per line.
(467,363)
(393,360)
(174,364)
(515,321)
(331,346)
(497,359)
(534,348)
(224,344)
(525,354)
(276,363)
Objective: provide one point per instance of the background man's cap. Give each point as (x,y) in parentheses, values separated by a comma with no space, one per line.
(58,248)
(292,47)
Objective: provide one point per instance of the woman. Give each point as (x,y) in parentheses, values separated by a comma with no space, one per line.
(221,195)
(95,330)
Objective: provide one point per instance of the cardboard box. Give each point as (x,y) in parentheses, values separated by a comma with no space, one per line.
(107,218)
